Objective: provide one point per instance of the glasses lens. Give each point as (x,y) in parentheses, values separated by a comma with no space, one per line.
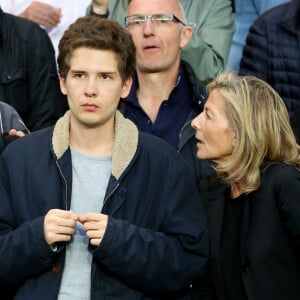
(135,21)
(161,19)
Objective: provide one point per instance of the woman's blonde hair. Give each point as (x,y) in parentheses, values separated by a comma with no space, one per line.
(260,120)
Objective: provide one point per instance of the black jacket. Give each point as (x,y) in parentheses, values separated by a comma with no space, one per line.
(272,51)
(270,235)
(28,72)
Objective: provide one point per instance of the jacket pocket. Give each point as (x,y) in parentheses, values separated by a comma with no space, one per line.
(14,85)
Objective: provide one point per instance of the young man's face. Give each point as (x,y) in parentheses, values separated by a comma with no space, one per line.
(93,86)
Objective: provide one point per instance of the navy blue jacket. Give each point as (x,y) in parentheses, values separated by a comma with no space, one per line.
(272,51)
(155,244)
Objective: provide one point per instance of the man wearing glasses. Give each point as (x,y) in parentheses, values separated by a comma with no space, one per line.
(166,93)
(213,27)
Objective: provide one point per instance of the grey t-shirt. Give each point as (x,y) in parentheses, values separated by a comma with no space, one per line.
(90,179)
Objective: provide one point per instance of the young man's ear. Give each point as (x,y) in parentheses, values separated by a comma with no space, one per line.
(62,83)
(126,87)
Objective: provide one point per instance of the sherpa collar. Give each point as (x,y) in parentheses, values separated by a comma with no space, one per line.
(124,147)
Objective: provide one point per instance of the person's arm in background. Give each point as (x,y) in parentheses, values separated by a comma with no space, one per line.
(98,8)
(208,49)
(10,119)
(11,125)
(38,12)
(42,14)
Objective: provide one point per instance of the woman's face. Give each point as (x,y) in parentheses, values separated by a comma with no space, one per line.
(215,138)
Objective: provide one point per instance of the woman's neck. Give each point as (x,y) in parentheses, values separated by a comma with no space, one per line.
(235,191)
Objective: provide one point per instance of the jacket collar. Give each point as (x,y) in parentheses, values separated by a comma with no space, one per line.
(199,90)
(124,147)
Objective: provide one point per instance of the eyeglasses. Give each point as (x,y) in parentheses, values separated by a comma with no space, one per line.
(136,21)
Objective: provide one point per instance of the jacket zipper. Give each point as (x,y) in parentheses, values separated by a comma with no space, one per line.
(65,182)
(108,196)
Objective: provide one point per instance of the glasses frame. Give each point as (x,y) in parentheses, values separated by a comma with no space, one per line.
(172,18)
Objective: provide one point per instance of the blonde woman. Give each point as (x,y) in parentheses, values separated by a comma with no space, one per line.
(254,217)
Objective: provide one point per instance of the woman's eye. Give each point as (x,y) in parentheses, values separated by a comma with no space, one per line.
(207,116)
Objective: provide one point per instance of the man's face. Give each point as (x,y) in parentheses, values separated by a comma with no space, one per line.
(158,45)
(93,86)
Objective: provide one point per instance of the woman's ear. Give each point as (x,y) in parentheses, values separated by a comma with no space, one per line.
(233,140)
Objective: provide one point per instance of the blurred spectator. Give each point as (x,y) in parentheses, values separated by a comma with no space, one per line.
(213,27)
(165,94)
(245,13)
(11,125)
(28,73)
(54,16)
(272,51)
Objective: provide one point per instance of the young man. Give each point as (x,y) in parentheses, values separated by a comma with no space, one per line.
(93,209)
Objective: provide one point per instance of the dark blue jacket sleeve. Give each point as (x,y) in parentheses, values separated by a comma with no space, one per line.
(23,250)
(167,259)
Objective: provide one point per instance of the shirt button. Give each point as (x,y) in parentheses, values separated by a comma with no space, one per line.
(56,269)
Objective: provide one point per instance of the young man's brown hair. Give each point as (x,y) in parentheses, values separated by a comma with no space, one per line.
(97,33)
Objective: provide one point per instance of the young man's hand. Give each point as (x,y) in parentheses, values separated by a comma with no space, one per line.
(59,226)
(94,225)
